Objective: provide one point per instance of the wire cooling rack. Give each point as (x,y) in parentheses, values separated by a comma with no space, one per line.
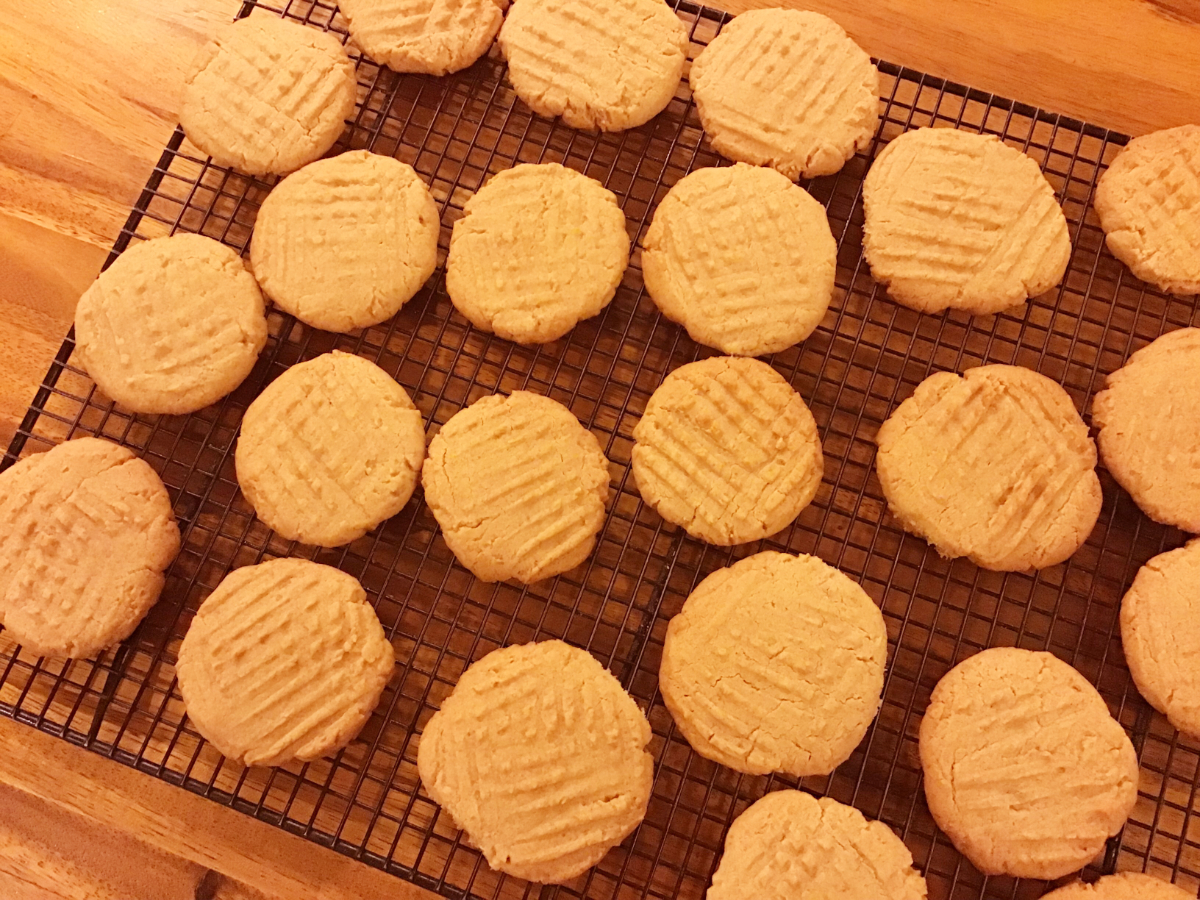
(867,356)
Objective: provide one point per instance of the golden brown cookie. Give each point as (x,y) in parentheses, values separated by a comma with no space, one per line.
(267,95)
(86,530)
(538,249)
(788,89)
(345,242)
(518,487)
(775,664)
(1148,202)
(175,324)
(1125,886)
(1025,769)
(540,756)
(995,465)
(727,450)
(1149,439)
(431,36)
(791,845)
(956,220)
(600,64)
(284,661)
(742,258)
(329,450)
(1160,632)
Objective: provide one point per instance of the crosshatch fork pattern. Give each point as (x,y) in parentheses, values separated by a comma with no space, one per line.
(867,356)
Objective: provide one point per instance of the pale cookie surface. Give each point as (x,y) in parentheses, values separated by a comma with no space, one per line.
(1160,632)
(1149,439)
(540,756)
(742,258)
(86,530)
(786,89)
(518,487)
(538,249)
(345,242)
(266,95)
(436,37)
(1025,769)
(727,450)
(961,221)
(329,450)
(175,324)
(775,664)
(1149,206)
(600,64)
(792,846)
(284,661)
(1124,886)
(995,465)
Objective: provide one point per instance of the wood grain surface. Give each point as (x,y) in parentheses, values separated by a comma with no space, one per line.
(88,95)
(47,850)
(130,834)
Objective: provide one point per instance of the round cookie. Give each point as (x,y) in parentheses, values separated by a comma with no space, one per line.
(600,64)
(86,531)
(995,465)
(538,249)
(268,125)
(1148,202)
(1160,632)
(775,664)
(266,95)
(518,487)
(345,242)
(786,89)
(284,661)
(436,37)
(727,450)
(1123,886)
(955,220)
(742,258)
(792,846)
(1025,769)
(1148,438)
(175,324)
(329,450)
(540,756)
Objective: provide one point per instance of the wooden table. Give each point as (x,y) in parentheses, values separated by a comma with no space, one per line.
(88,96)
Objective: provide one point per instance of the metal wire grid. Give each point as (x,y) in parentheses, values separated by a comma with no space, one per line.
(866,357)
